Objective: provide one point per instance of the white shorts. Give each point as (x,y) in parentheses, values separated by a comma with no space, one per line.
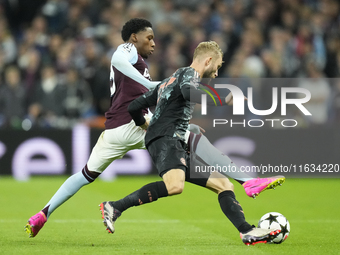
(113,144)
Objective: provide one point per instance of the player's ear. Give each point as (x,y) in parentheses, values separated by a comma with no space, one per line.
(133,37)
(208,61)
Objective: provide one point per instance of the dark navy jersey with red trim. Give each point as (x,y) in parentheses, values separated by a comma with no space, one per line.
(175,98)
(173,108)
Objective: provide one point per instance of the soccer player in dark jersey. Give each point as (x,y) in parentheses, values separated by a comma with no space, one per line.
(166,142)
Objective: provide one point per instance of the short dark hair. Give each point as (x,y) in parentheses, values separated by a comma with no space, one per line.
(133,26)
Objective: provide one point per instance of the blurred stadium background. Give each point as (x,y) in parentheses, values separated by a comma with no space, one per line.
(54,72)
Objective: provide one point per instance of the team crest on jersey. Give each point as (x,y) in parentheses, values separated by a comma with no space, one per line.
(183,161)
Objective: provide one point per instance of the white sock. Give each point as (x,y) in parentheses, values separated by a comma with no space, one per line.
(67,190)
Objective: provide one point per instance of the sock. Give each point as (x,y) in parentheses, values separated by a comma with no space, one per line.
(240,181)
(211,156)
(146,194)
(68,189)
(233,210)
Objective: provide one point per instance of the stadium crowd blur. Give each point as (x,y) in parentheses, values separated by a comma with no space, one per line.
(55,55)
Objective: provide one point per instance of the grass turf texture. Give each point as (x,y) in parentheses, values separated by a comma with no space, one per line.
(191,223)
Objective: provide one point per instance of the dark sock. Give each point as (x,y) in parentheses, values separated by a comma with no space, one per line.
(239,181)
(45,210)
(90,176)
(233,210)
(146,194)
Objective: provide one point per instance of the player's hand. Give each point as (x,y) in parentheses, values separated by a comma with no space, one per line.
(196,129)
(202,130)
(146,124)
(229,99)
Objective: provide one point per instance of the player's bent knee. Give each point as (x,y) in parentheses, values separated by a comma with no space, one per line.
(174,181)
(228,185)
(175,188)
(224,185)
(219,185)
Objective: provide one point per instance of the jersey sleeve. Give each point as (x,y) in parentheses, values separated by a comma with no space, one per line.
(123,60)
(145,101)
(129,51)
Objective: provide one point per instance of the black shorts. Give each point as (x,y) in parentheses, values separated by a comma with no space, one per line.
(168,153)
(171,153)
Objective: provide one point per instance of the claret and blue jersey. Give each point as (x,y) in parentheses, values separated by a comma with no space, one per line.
(126,63)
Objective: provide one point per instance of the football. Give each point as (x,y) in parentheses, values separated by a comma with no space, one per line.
(275,220)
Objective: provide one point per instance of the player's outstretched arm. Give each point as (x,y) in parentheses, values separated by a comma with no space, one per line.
(195,129)
(229,99)
(136,107)
(122,62)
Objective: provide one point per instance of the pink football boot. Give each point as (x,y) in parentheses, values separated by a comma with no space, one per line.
(255,186)
(35,223)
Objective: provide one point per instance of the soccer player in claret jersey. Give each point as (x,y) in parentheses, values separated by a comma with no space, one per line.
(130,79)
(166,142)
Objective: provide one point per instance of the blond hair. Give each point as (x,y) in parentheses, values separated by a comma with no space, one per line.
(208,47)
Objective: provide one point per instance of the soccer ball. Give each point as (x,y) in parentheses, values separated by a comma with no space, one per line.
(275,220)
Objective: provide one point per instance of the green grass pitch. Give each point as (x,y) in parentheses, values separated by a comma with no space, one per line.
(191,223)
